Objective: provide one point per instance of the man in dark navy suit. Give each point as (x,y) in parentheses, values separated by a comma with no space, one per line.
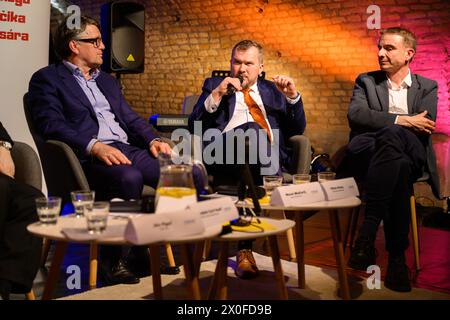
(74,102)
(392,114)
(245,101)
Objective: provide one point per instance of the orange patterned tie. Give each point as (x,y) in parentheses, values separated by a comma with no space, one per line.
(256,112)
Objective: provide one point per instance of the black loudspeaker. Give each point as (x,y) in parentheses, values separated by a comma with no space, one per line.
(122,26)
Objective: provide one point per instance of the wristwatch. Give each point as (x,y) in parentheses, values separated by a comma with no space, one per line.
(5,144)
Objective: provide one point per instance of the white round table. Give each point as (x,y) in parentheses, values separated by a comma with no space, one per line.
(114,235)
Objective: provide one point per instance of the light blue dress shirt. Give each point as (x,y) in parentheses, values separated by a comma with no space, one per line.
(109,128)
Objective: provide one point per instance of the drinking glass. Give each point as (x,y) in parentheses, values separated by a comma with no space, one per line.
(48,209)
(80,199)
(301,178)
(271,183)
(326,176)
(96,216)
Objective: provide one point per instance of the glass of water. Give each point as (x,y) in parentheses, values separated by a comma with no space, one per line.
(326,176)
(271,183)
(80,199)
(301,178)
(48,209)
(97,216)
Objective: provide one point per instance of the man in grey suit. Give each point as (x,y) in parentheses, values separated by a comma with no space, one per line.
(392,114)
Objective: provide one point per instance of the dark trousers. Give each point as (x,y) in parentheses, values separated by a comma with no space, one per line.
(20,251)
(230,173)
(387,163)
(127,181)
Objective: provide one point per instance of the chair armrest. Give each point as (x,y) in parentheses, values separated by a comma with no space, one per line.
(27,164)
(301,154)
(62,170)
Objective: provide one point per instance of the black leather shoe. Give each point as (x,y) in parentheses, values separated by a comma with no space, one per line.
(121,274)
(397,275)
(363,254)
(5,289)
(169,270)
(138,261)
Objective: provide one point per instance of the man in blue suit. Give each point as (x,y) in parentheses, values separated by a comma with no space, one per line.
(245,101)
(76,103)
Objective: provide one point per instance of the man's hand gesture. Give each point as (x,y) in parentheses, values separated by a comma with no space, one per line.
(286,85)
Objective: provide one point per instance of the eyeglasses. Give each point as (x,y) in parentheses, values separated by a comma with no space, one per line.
(96,42)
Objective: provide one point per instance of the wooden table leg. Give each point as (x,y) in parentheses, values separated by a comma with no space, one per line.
(339,252)
(190,273)
(53,273)
(275,253)
(156,272)
(219,286)
(291,242)
(93,264)
(30,295)
(199,254)
(45,250)
(300,249)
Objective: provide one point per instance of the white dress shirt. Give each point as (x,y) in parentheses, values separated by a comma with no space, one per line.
(241,112)
(398,96)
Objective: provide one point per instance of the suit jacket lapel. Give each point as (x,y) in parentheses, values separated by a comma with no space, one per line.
(231,106)
(412,93)
(70,82)
(267,98)
(383,95)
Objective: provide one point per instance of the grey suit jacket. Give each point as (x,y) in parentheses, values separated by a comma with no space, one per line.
(369,109)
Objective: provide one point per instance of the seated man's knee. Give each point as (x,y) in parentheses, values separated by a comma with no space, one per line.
(390,131)
(130,183)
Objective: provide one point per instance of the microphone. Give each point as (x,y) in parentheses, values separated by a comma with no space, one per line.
(231,89)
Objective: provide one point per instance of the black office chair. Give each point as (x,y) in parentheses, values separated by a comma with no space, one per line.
(28,171)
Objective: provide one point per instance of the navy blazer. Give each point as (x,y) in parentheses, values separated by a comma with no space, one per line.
(369,110)
(61,110)
(288,118)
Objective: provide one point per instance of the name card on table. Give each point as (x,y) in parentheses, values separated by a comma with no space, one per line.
(340,189)
(216,211)
(151,228)
(297,194)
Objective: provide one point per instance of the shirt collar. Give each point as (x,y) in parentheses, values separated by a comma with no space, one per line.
(406,82)
(76,71)
(254,87)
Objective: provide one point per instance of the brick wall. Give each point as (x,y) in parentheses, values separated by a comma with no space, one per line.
(322,44)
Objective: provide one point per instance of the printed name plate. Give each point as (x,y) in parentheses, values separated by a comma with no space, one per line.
(340,189)
(297,194)
(151,228)
(216,211)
